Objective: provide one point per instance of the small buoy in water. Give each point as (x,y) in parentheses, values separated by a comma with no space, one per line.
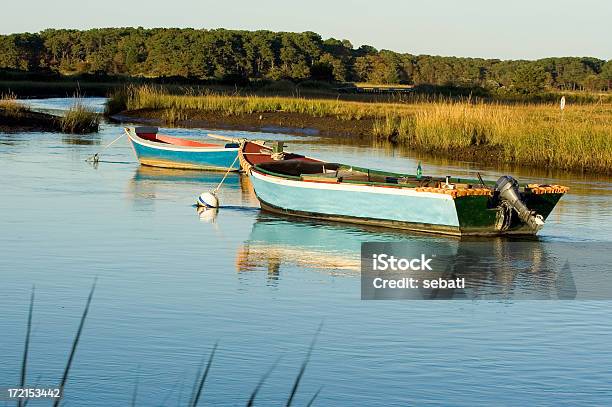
(206,214)
(208,199)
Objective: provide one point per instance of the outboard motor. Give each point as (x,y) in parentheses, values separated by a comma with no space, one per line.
(508,192)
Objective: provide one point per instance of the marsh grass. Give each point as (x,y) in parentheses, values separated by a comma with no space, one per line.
(173,116)
(117,100)
(527,134)
(537,135)
(11,106)
(79,119)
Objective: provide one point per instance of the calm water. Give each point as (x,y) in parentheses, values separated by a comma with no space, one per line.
(171,283)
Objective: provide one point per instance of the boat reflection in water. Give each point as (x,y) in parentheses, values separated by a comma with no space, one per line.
(276,241)
(149,183)
(496,268)
(147,173)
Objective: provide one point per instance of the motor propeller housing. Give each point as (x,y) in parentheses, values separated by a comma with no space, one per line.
(507,189)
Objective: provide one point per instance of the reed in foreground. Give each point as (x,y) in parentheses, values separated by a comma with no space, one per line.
(536,135)
(200,380)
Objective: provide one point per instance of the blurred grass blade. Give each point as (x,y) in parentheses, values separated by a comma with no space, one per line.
(24,363)
(261,382)
(74,345)
(298,379)
(194,388)
(201,386)
(36,385)
(312,400)
(135,392)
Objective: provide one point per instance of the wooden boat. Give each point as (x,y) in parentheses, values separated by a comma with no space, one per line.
(158,150)
(293,184)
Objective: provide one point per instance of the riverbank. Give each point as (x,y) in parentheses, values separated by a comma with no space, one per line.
(26,120)
(17,117)
(578,138)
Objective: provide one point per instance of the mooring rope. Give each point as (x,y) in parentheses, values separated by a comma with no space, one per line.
(96,157)
(226,172)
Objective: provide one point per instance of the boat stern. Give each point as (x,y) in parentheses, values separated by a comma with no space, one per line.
(521,212)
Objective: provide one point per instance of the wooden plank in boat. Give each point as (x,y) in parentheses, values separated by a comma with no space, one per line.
(329,178)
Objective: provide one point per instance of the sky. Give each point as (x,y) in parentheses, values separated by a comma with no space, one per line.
(511,29)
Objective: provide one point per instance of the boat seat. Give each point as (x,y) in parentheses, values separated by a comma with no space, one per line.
(297,167)
(364,177)
(356,176)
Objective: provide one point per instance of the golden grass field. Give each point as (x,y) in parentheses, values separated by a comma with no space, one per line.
(580,137)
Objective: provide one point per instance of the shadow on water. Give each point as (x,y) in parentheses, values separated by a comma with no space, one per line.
(82,140)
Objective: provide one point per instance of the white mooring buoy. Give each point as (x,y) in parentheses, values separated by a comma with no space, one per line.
(208,199)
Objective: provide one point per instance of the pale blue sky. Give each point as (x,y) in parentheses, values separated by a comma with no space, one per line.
(479,28)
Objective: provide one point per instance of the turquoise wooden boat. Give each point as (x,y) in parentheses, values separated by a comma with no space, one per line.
(158,150)
(296,185)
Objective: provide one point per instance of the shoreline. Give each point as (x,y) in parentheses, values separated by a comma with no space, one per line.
(78,120)
(28,121)
(274,122)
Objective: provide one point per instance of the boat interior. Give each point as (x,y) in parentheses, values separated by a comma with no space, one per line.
(151,134)
(308,169)
(319,171)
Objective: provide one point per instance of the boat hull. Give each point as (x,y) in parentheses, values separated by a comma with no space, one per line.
(193,158)
(399,208)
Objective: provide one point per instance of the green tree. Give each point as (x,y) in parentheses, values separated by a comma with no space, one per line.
(224,54)
(529,79)
(606,74)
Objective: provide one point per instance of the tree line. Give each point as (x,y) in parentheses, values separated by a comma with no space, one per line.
(250,55)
